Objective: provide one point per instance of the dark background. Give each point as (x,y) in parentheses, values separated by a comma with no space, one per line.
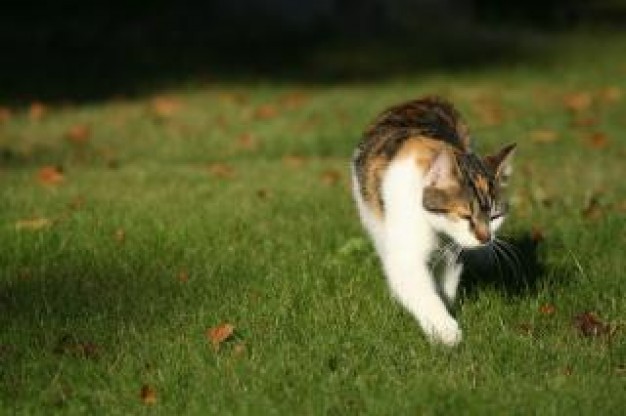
(76,51)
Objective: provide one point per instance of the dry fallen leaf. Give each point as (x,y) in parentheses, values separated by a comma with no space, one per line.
(37,111)
(611,94)
(597,140)
(68,345)
(148,395)
(217,335)
(547,309)
(5,114)
(120,235)
(578,102)
(293,100)
(265,112)
(581,121)
(589,325)
(294,161)
(593,210)
(237,98)
(33,224)
(24,273)
(331,177)
(544,136)
(537,234)
(78,134)
(526,329)
(183,276)
(222,171)
(50,175)
(165,107)
(247,141)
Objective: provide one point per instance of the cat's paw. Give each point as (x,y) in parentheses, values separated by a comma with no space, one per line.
(444,331)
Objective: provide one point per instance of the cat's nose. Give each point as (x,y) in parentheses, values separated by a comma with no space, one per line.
(483,234)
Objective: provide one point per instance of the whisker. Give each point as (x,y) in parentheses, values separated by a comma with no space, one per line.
(506,257)
(494,254)
(515,253)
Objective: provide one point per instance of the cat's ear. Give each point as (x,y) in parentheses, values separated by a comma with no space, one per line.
(440,171)
(500,162)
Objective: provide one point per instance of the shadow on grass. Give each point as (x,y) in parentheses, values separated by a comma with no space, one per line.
(515,269)
(96,304)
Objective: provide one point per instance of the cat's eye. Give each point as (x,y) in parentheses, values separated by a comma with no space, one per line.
(496,215)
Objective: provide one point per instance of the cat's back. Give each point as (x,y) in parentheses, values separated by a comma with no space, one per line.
(418,128)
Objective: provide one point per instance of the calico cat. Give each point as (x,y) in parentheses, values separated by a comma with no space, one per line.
(419,189)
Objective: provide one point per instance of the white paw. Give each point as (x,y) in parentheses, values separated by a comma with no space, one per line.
(443,331)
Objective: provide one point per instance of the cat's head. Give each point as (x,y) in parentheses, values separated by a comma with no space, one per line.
(463,195)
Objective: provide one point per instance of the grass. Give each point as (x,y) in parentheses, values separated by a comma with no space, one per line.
(169,221)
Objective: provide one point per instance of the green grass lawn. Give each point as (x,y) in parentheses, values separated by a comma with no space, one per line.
(230,203)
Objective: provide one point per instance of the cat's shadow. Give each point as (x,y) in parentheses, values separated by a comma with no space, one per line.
(515,268)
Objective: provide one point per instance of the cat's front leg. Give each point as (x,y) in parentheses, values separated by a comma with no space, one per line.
(408,241)
(413,286)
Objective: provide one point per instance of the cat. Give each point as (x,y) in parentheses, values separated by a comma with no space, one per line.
(419,190)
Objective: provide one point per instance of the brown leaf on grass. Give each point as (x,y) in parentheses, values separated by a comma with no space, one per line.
(611,94)
(526,329)
(597,140)
(120,235)
(578,102)
(589,325)
(620,370)
(148,395)
(24,273)
(331,177)
(547,309)
(219,334)
(221,122)
(544,136)
(164,106)
(593,210)
(537,234)
(568,370)
(68,345)
(265,112)
(294,161)
(222,171)
(293,100)
(183,276)
(247,141)
(78,134)
(5,114)
(581,121)
(33,224)
(37,111)
(50,175)
(237,98)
